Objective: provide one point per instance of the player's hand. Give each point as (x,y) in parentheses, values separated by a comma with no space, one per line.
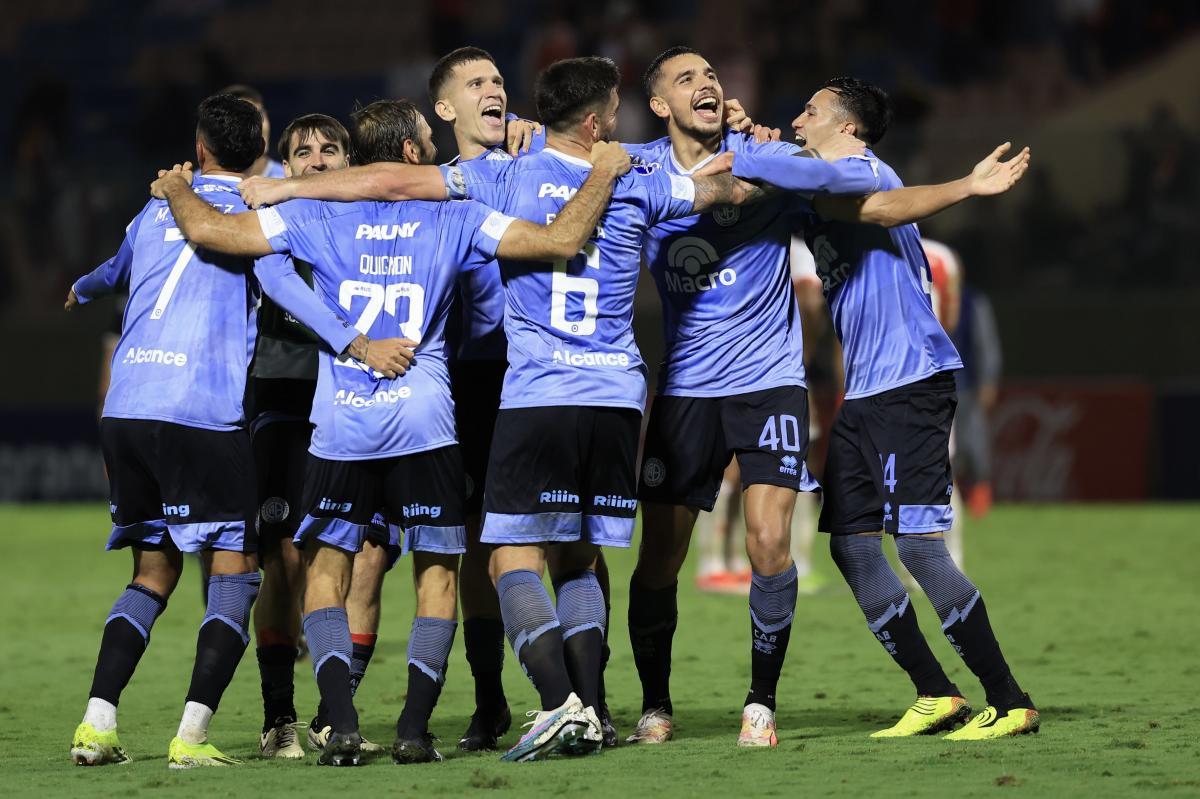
(390,357)
(736,117)
(178,172)
(520,133)
(763,134)
(719,164)
(610,158)
(993,176)
(258,191)
(839,146)
(72,300)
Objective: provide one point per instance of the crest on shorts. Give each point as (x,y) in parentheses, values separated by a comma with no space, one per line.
(275,510)
(726,215)
(654,471)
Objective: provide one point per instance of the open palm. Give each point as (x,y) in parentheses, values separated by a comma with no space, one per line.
(993,176)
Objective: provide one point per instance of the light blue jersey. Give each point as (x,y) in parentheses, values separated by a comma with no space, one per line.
(569,325)
(877,283)
(189,326)
(731,323)
(391,269)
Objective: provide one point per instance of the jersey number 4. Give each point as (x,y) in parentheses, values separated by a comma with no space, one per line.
(588,288)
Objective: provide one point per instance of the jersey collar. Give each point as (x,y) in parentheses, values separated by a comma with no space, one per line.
(570,159)
(679,167)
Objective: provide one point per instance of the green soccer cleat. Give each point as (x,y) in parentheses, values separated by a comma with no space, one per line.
(929,715)
(90,747)
(991,723)
(181,754)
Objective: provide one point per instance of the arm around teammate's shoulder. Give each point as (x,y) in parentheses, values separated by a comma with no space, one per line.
(205,226)
(575,223)
(383,181)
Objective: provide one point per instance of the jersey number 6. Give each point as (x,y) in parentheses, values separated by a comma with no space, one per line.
(564,284)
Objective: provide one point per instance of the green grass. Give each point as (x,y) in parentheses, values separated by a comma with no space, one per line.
(1095,608)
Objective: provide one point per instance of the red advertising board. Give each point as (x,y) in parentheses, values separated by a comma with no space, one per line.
(1067,440)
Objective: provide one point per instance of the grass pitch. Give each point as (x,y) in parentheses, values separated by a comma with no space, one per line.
(1094,607)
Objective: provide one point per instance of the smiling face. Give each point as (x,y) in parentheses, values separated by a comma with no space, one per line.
(313,153)
(474,102)
(688,93)
(822,117)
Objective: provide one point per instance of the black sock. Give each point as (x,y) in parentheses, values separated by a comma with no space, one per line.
(534,633)
(362,647)
(582,654)
(543,660)
(973,639)
(276,669)
(219,648)
(964,618)
(653,615)
(484,641)
(337,705)
(772,608)
(605,653)
(890,616)
(423,693)
(126,636)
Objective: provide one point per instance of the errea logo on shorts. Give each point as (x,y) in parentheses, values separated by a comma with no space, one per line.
(788,465)
(136,355)
(387,232)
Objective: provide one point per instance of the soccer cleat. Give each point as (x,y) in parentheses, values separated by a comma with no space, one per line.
(282,741)
(318,736)
(758,726)
(607,727)
(723,582)
(415,750)
(654,727)
(591,742)
(181,754)
(341,749)
(993,724)
(551,732)
(929,715)
(90,747)
(483,733)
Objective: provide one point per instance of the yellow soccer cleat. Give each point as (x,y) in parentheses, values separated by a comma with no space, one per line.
(758,727)
(182,754)
(929,715)
(90,747)
(991,723)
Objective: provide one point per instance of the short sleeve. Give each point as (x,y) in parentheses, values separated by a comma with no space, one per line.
(476,233)
(483,180)
(669,196)
(294,226)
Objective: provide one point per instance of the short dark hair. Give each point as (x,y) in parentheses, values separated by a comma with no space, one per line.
(652,73)
(867,103)
(569,90)
(307,125)
(245,92)
(231,129)
(450,62)
(378,130)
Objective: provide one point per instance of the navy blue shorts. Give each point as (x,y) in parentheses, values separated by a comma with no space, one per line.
(419,497)
(690,441)
(889,461)
(171,484)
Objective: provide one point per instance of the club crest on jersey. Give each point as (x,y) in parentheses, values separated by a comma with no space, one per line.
(387,232)
(788,465)
(726,215)
(274,510)
(654,471)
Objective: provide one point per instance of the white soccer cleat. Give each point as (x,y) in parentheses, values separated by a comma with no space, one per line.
(282,741)
(758,726)
(591,741)
(654,727)
(551,732)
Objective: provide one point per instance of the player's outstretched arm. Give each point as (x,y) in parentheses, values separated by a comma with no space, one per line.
(380,181)
(106,278)
(577,220)
(205,226)
(725,189)
(903,206)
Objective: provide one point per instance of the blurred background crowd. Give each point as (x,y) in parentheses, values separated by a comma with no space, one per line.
(1088,264)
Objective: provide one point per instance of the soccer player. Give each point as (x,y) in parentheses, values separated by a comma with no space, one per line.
(467,91)
(731,383)
(178,457)
(390,445)
(889,468)
(283,380)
